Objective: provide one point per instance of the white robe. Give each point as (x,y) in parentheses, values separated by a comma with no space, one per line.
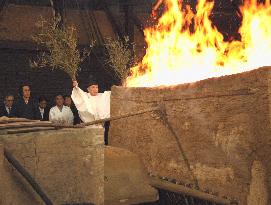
(91,108)
(65,116)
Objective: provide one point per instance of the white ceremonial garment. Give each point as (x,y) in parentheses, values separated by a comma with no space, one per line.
(91,108)
(64,116)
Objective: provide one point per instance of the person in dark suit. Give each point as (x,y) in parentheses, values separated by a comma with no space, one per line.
(8,109)
(43,109)
(26,107)
(68,102)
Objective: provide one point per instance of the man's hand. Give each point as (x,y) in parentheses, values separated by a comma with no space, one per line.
(74,83)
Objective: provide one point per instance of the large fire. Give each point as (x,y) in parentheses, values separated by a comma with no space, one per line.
(176,55)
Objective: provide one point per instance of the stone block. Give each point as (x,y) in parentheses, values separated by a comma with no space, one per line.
(222,125)
(68,164)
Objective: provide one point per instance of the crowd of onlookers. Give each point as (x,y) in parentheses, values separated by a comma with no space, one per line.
(27,107)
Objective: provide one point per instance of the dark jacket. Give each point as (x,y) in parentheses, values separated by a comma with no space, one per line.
(77,119)
(28,111)
(45,114)
(3,111)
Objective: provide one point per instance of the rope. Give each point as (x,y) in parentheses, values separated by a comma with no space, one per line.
(163,116)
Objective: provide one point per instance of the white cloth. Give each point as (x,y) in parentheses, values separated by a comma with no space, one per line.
(8,109)
(91,108)
(41,112)
(64,116)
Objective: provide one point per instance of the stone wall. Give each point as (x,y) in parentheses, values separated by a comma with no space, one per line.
(72,166)
(125,179)
(67,164)
(222,124)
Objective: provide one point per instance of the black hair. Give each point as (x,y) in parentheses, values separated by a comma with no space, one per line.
(92,81)
(8,95)
(21,88)
(66,96)
(42,98)
(59,95)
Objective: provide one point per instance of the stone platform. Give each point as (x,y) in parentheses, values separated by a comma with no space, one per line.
(222,125)
(68,165)
(72,166)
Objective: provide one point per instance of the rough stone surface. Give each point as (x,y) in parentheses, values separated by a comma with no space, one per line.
(223,125)
(67,164)
(72,166)
(126,180)
(258,186)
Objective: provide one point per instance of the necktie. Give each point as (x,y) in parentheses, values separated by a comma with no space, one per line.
(9,110)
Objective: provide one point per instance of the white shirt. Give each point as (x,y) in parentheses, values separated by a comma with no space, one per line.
(41,112)
(8,109)
(91,108)
(64,116)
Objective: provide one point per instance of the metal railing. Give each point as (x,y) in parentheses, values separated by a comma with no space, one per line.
(26,175)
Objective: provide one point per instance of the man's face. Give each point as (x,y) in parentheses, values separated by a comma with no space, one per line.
(43,104)
(68,101)
(59,101)
(26,91)
(93,90)
(9,101)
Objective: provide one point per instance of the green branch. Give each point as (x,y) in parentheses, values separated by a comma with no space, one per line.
(61,48)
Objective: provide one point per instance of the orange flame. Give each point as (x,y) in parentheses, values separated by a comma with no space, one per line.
(176,55)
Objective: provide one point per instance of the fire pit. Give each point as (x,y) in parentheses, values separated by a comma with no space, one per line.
(214,133)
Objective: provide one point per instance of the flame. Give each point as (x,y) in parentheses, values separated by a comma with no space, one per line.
(175,54)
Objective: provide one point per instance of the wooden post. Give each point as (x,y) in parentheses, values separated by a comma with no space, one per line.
(129,25)
(2,196)
(58,11)
(138,23)
(162,184)
(111,19)
(2,5)
(129,28)
(1,159)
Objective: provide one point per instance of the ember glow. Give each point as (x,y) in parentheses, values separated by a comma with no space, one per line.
(175,55)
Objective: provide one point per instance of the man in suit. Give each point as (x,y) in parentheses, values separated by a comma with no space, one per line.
(26,107)
(8,109)
(43,109)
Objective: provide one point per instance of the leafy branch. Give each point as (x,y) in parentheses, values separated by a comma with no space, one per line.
(120,54)
(61,51)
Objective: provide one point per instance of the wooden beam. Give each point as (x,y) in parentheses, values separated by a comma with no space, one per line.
(27,176)
(129,29)
(177,188)
(129,26)
(2,5)
(112,20)
(135,2)
(18,45)
(28,130)
(57,6)
(25,45)
(137,22)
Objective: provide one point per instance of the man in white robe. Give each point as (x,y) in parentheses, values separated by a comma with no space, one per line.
(92,105)
(60,113)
